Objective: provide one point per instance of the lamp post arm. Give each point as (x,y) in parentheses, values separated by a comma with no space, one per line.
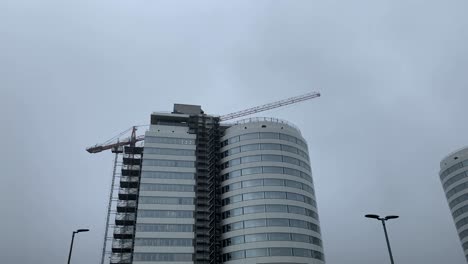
(71,247)
(388,242)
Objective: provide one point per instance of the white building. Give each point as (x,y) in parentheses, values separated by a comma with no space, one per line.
(220,193)
(454,177)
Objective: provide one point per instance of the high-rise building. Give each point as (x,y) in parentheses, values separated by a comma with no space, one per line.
(203,192)
(454,178)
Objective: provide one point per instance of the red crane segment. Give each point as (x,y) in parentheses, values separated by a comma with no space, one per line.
(257,109)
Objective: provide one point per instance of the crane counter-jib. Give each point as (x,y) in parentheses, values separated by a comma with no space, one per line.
(100,148)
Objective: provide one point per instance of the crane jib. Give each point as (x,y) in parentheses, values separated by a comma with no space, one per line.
(133,139)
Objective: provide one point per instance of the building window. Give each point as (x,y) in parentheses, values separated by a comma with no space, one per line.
(164,200)
(169,163)
(166,187)
(168,175)
(163,228)
(164,214)
(165,151)
(164,242)
(257,252)
(166,140)
(162,257)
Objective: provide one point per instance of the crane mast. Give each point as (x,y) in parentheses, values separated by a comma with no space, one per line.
(250,111)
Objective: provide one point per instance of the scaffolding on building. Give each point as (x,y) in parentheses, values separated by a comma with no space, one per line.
(126,217)
(121,222)
(112,202)
(200,125)
(214,181)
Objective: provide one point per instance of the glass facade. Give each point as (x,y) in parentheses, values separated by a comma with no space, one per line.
(267,170)
(166,151)
(453,168)
(164,214)
(163,228)
(168,163)
(273,252)
(288,204)
(166,187)
(160,257)
(266,222)
(167,197)
(269,195)
(272,158)
(168,175)
(265,146)
(459,199)
(164,242)
(265,135)
(454,178)
(264,181)
(169,140)
(164,200)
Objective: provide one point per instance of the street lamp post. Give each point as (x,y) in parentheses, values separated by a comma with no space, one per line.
(73,238)
(383,219)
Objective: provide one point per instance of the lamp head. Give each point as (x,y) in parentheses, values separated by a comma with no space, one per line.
(81,230)
(372,216)
(391,217)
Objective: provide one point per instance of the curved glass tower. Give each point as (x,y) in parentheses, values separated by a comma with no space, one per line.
(454,178)
(269,212)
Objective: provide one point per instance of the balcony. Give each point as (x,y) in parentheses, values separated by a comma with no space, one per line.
(133,156)
(203,201)
(131,170)
(132,160)
(121,258)
(122,245)
(124,232)
(128,194)
(131,167)
(125,218)
(126,206)
(201,228)
(129,181)
(203,210)
(133,150)
(203,188)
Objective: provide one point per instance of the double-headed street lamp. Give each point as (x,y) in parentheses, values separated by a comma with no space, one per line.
(73,237)
(383,219)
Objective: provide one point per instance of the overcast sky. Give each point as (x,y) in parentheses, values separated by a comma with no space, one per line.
(394,84)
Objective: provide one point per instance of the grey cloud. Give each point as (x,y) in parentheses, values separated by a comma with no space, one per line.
(392,75)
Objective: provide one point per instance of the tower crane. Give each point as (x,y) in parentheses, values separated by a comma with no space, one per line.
(133,139)
(119,141)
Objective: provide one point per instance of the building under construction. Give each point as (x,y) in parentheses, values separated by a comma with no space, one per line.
(197,190)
